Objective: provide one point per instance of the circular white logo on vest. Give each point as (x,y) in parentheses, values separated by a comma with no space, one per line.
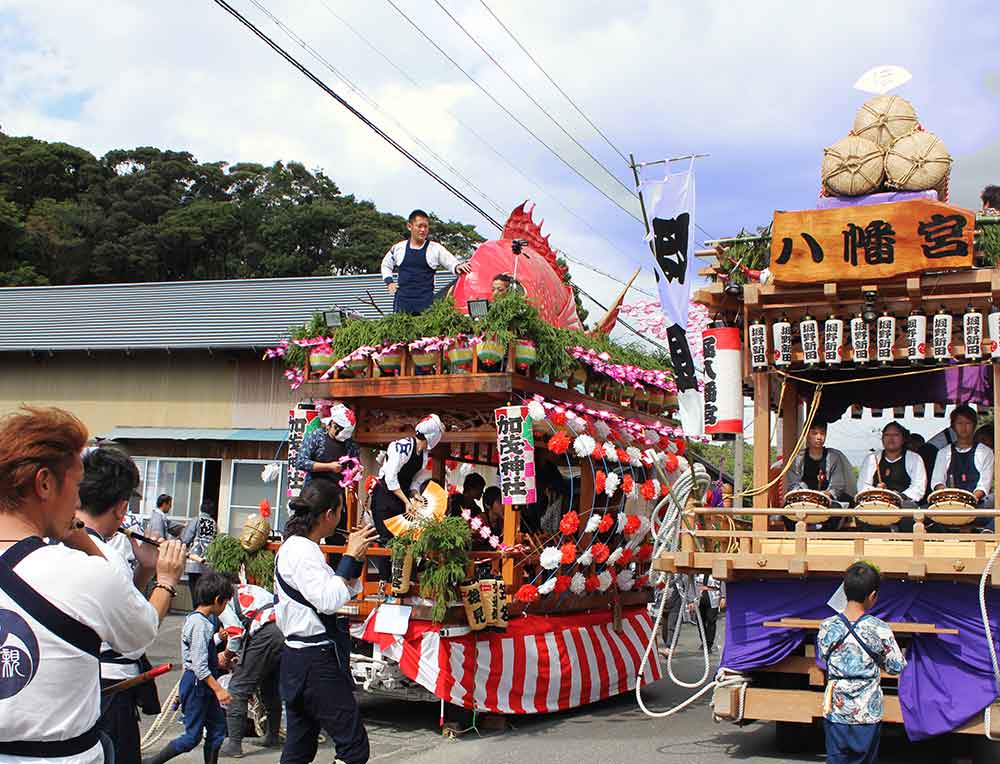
(18,654)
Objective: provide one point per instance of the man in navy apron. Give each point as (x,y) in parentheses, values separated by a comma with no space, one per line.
(416,259)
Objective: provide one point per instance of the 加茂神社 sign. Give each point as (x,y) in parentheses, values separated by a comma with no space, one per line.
(872,242)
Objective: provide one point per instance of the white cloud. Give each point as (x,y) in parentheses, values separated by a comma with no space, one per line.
(762,86)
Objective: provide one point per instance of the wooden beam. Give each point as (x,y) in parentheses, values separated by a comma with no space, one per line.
(761,445)
(790,420)
(907,627)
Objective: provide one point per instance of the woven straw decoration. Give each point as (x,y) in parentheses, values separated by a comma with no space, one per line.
(917,162)
(885,118)
(853,166)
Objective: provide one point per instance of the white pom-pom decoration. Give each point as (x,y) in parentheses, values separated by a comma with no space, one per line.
(615,556)
(575,423)
(270,472)
(536,411)
(585,559)
(592,522)
(550,558)
(601,429)
(634,456)
(603,581)
(610,453)
(584,446)
(611,483)
(626,580)
(622,518)
(578,584)
(547,587)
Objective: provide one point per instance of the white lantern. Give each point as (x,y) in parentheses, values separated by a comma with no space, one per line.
(972,333)
(860,340)
(916,337)
(885,338)
(833,341)
(758,345)
(993,321)
(809,337)
(782,331)
(941,335)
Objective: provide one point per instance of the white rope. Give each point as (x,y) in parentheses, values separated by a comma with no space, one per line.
(989,636)
(666,538)
(165,718)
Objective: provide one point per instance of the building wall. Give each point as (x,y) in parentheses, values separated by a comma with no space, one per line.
(151,389)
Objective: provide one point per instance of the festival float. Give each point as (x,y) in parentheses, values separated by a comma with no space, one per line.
(884,297)
(522,621)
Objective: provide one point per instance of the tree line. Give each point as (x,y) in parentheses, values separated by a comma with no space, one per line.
(146,214)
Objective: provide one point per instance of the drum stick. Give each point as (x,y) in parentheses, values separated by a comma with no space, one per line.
(146,676)
(147,540)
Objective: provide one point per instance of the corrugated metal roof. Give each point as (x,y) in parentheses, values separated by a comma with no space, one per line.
(241,313)
(196,433)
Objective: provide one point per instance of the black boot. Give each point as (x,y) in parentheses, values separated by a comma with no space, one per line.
(212,756)
(168,752)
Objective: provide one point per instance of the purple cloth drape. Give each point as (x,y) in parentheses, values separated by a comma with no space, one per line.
(948,679)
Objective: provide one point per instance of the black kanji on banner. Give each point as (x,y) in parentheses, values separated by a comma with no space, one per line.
(680,358)
(670,245)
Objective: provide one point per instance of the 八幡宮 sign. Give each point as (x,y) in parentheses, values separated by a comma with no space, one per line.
(870,242)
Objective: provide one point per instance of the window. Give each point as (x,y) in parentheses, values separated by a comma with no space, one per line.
(182,479)
(247,490)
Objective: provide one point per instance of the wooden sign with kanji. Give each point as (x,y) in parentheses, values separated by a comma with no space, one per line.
(870,242)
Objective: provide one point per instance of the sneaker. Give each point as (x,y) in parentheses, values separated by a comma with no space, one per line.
(232,749)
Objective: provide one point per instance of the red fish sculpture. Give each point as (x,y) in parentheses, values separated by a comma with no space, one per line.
(537,270)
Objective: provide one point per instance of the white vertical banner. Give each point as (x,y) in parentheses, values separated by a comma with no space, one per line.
(670,220)
(670,216)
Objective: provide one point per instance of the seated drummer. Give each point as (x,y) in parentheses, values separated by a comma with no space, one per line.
(964,463)
(894,468)
(819,468)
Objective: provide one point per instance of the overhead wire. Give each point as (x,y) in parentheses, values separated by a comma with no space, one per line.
(382,134)
(343,102)
(509,113)
(360,92)
(564,94)
(496,152)
(526,94)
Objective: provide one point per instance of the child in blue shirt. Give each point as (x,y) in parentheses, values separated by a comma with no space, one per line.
(202,697)
(856,647)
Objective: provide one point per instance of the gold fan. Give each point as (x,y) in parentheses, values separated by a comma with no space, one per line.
(434,508)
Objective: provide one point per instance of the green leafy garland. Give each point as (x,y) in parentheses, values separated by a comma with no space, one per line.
(226,555)
(443,547)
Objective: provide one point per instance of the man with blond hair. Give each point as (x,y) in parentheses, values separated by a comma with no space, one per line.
(59,601)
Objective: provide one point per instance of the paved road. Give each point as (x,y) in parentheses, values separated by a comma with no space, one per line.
(611,732)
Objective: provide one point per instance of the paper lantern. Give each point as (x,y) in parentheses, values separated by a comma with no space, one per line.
(916,337)
(758,345)
(809,337)
(782,331)
(833,341)
(972,333)
(941,335)
(723,382)
(994,326)
(885,338)
(860,340)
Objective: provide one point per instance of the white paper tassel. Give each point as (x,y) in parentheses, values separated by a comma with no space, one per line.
(550,558)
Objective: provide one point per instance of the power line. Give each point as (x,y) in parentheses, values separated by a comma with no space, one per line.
(373,103)
(500,155)
(371,125)
(552,81)
(528,95)
(507,111)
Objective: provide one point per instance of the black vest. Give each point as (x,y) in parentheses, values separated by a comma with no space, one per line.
(816,474)
(962,472)
(893,474)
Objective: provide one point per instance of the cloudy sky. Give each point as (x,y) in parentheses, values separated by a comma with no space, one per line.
(762,87)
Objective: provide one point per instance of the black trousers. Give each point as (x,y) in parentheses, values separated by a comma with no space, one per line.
(319,694)
(673,612)
(259,668)
(709,618)
(120,720)
(192,583)
(385,504)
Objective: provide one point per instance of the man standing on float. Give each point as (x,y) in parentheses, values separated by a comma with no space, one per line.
(416,259)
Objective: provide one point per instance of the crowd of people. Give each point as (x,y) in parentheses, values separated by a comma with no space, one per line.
(75,622)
